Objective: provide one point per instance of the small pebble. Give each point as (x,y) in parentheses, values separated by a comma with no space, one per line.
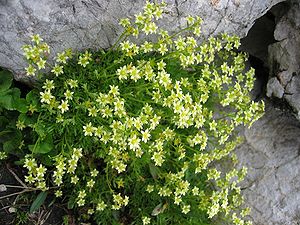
(12,210)
(3,187)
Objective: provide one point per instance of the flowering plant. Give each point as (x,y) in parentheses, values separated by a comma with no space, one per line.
(132,135)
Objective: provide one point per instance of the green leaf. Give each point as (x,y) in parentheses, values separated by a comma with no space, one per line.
(160,208)
(8,134)
(40,199)
(46,159)
(43,146)
(40,129)
(5,80)
(71,203)
(27,120)
(33,97)
(3,122)
(19,162)
(6,100)
(9,97)
(13,143)
(153,171)
(20,104)
(5,132)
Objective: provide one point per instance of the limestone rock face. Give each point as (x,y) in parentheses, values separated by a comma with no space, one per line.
(94,23)
(271,153)
(284,57)
(274,88)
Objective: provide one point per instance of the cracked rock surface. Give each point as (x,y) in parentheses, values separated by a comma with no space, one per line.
(284,58)
(94,23)
(271,153)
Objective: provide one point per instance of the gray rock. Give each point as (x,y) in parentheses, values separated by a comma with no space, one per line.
(284,77)
(271,153)
(293,90)
(94,23)
(274,88)
(284,55)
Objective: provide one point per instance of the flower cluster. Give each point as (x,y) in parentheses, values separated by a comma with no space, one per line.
(151,120)
(36,54)
(3,155)
(119,201)
(36,173)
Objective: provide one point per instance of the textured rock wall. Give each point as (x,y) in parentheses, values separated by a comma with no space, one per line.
(272,154)
(284,58)
(93,23)
(272,148)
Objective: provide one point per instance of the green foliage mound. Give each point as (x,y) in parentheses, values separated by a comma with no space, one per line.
(134,134)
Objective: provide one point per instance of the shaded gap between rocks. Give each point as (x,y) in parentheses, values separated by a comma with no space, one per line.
(256,44)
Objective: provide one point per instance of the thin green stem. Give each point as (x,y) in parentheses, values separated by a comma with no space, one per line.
(124,35)
(107,179)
